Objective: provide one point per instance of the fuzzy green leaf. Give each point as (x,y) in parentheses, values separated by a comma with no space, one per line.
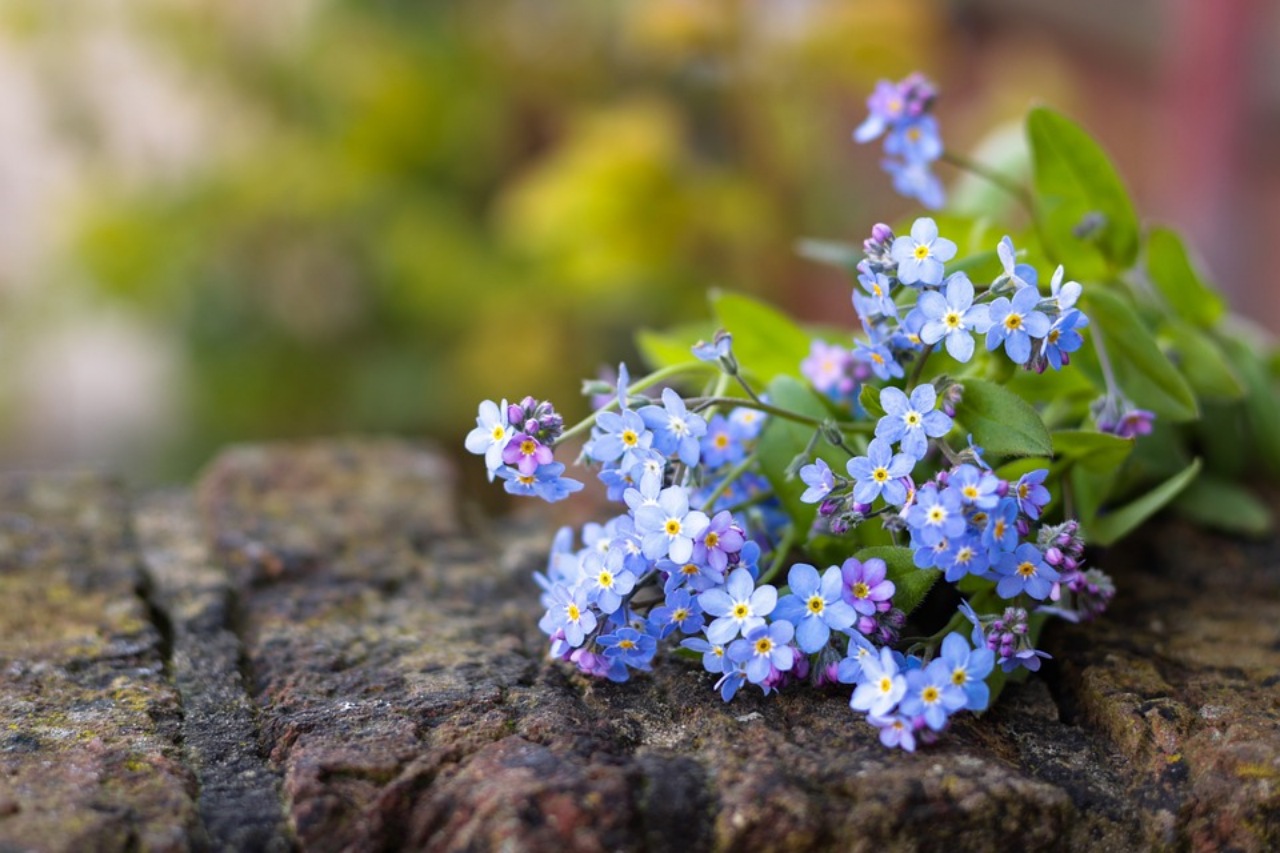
(1175,278)
(1145,374)
(1075,183)
(673,346)
(911,583)
(1097,451)
(1226,506)
(1110,527)
(766,341)
(1002,423)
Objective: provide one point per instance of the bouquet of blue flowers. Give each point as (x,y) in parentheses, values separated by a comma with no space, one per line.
(792,497)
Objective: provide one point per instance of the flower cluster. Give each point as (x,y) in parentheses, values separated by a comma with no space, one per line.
(901,113)
(716,551)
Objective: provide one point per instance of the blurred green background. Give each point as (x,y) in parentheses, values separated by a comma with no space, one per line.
(223,221)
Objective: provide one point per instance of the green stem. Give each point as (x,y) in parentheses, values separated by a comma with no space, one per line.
(733,474)
(779,556)
(1002,181)
(786,414)
(919,367)
(642,384)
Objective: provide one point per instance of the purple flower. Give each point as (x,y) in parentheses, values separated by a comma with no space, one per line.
(1025,570)
(895,730)
(952,317)
(676,430)
(818,477)
(920,256)
(526,453)
(1027,658)
(814,606)
(720,539)
(829,368)
(764,649)
(879,473)
(886,106)
(1131,424)
(864,587)
(1014,322)
(669,528)
(738,606)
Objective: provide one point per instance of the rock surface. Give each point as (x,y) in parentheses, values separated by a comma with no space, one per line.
(310,651)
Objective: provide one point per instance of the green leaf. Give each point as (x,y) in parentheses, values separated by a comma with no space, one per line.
(766,341)
(1110,527)
(1174,277)
(869,397)
(1145,374)
(1202,362)
(1074,180)
(1097,451)
(1001,422)
(1226,506)
(911,583)
(842,255)
(783,440)
(1262,406)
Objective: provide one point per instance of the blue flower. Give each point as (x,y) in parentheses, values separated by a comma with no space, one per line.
(881,360)
(617,433)
(915,140)
(930,694)
(763,649)
(605,586)
(849,670)
(1014,322)
(1031,494)
(879,286)
(570,612)
(1001,531)
(681,610)
(738,606)
(819,479)
(912,421)
(964,555)
(879,473)
(1063,338)
(491,435)
(676,430)
(630,647)
(1022,275)
(719,350)
(545,482)
(814,606)
(936,515)
(712,655)
(880,686)
(953,317)
(921,256)
(1066,293)
(976,488)
(749,421)
(1025,570)
(968,668)
(896,730)
(723,443)
(669,528)
(914,179)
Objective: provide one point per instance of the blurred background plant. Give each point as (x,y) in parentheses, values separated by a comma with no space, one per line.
(226,220)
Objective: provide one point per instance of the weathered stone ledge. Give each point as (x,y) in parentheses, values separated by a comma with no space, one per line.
(309,651)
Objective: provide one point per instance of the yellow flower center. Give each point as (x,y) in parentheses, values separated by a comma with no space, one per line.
(921,252)
(937,515)
(912,419)
(965,555)
(959,678)
(930,694)
(741,610)
(1013,322)
(914,134)
(626,644)
(605,579)
(877,358)
(1027,569)
(1054,334)
(713,539)
(970,492)
(528,447)
(721,440)
(952,319)
(572,611)
(690,569)
(861,590)
(498,432)
(886,684)
(679,615)
(629,438)
(672,527)
(816,604)
(764,645)
(880,475)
